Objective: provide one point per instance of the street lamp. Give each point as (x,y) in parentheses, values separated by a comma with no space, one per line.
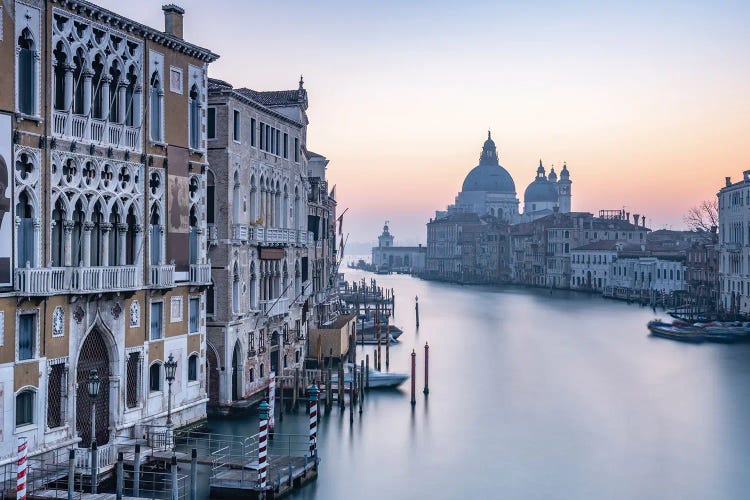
(93,388)
(170,369)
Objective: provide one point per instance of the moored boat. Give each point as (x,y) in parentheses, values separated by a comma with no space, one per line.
(701,332)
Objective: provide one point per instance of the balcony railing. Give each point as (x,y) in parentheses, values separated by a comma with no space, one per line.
(240,232)
(55,280)
(88,129)
(274,307)
(200,274)
(162,276)
(106,455)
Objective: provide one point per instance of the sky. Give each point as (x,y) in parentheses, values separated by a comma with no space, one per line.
(647,102)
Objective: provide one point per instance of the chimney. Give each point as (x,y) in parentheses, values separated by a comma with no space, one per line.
(635,219)
(627,216)
(728,181)
(173,20)
(644,221)
(746,175)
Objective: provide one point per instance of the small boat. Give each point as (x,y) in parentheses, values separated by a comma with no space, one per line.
(683,331)
(683,334)
(378,380)
(373,340)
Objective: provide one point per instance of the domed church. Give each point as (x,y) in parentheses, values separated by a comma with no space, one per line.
(489,190)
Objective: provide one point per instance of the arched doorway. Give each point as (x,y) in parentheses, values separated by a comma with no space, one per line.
(212,370)
(94,355)
(236,372)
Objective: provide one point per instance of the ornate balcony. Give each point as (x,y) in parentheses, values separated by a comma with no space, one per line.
(86,129)
(162,276)
(240,232)
(56,280)
(200,274)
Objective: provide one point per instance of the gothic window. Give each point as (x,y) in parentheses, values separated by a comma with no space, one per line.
(26,73)
(155,236)
(194,236)
(285,208)
(154,377)
(114,237)
(61,66)
(78,69)
(58,242)
(254,201)
(25,407)
(262,374)
(195,118)
(235,290)
(193,368)
(252,375)
(25,234)
(130,109)
(296,207)
(77,234)
(96,236)
(114,93)
(97,109)
(156,97)
(133,371)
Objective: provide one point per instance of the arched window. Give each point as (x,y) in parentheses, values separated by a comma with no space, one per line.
(252,375)
(130,244)
(114,237)
(193,368)
(155,236)
(154,377)
(25,407)
(253,199)
(97,218)
(130,81)
(195,118)
(114,93)
(262,370)
(78,68)
(26,73)
(296,207)
(235,290)
(25,235)
(97,109)
(296,356)
(285,208)
(61,66)
(77,236)
(58,242)
(156,96)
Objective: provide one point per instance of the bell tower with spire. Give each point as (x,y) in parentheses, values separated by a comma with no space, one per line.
(564,186)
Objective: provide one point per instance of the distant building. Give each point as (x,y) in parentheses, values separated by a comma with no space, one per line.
(386,256)
(734,245)
(489,189)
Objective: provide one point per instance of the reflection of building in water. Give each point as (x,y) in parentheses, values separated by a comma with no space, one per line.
(386,256)
(99,281)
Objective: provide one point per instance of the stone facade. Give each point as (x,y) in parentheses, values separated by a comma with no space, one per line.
(388,257)
(734,246)
(106,244)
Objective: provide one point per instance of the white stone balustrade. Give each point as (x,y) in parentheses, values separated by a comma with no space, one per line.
(100,132)
(162,276)
(200,274)
(56,280)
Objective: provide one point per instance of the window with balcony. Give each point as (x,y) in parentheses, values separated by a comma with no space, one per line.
(25,233)
(193,368)
(60,69)
(156,240)
(27,77)
(157,321)
(77,234)
(27,336)
(194,315)
(195,118)
(58,243)
(25,407)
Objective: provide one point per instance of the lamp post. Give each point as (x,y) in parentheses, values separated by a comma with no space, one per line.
(93,386)
(170,369)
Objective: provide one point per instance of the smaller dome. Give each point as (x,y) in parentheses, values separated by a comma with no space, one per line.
(540,191)
(552,175)
(564,174)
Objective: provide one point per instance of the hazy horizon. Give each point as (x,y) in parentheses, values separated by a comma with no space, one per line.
(646,102)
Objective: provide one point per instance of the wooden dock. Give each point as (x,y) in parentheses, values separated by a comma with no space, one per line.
(285,474)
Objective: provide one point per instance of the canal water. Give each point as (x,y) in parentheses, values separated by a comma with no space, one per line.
(537,395)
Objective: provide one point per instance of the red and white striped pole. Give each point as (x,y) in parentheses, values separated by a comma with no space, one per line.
(263,445)
(313,421)
(23,454)
(271,401)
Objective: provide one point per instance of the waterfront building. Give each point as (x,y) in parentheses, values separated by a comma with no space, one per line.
(102,225)
(640,275)
(590,264)
(387,256)
(701,272)
(734,245)
(444,259)
(265,234)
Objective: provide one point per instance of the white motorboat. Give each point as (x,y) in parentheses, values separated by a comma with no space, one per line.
(378,380)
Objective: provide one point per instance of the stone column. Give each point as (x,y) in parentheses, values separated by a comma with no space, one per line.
(162,251)
(121,102)
(87,227)
(106,80)
(137,106)
(137,258)
(68,242)
(37,240)
(122,232)
(68,97)
(87,75)
(106,227)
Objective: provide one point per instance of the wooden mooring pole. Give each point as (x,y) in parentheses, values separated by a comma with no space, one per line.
(426,369)
(413,376)
(367,371)
(416,308)
(387,341)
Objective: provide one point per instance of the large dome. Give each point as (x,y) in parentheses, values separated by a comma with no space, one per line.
(489,175)
(541,190)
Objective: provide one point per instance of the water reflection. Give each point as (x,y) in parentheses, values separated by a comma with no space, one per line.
(537,395)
